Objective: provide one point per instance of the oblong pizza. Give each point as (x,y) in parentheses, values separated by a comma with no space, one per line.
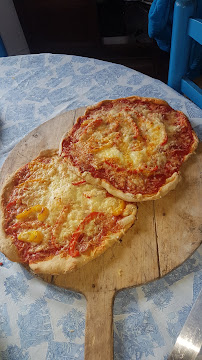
(133,147)
(54,221)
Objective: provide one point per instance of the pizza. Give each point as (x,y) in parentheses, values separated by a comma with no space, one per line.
(133,147)
(54,221)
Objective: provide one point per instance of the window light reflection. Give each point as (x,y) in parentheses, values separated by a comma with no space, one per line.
(188,344)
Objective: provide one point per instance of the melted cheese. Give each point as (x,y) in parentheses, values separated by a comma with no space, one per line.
(111,153)
(136,143)
(32,211)
(139,157)
(33,236)
(155,130)
(56,210)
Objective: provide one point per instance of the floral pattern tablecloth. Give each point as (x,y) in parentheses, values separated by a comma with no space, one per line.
(39,320)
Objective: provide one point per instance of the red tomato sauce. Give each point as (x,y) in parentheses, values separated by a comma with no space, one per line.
(78,244)
(120,177)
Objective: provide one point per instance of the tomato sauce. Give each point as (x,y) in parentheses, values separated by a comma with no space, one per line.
(81,182)
(80,241)
(22,175)
(175,149)
(78,244)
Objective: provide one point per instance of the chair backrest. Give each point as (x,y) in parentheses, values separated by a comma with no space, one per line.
(186,31)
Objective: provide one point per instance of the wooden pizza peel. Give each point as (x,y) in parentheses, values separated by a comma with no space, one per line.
(165,234)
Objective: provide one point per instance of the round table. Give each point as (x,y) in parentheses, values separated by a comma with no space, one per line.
(39,320)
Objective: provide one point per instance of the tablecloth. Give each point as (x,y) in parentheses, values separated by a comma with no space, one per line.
(42,321)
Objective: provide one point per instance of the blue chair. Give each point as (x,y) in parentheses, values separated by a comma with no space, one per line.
(186,49)
(3,51)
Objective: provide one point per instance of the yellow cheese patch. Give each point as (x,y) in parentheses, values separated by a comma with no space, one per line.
(111,152)
(138,157)
(120,208)
(34,236)
(40,209)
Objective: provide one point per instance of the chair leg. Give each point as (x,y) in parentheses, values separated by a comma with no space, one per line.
(3,51)
(180,43)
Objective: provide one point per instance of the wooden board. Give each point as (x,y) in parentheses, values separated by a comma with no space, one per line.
(166,233)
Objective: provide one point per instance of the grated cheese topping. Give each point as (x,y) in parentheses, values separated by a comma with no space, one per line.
(54,201)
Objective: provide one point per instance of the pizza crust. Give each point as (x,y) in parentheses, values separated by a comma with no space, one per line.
(194,146)
(134,97)
(6,245)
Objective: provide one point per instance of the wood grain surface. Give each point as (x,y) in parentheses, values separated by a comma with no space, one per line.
(165,234)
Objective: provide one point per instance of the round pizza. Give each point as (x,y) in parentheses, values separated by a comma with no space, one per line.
(54,221)
(133,147)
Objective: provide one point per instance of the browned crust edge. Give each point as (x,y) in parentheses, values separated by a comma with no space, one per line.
(134,97)
(171,183)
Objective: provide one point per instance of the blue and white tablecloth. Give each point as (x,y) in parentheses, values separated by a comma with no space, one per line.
(39,320)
